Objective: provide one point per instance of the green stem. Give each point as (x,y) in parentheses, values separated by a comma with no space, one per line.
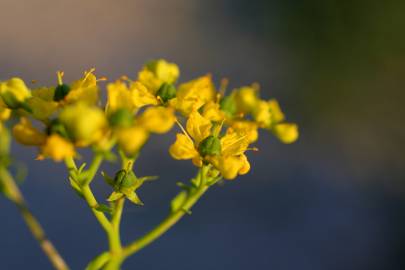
(171,220)
(14,194)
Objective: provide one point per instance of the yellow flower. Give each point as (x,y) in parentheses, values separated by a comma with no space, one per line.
(200,143)
(57,148)
(186,145)
(131,139)
(232,161)
(14,92)
(157,72)
(86,124)
(157,119)
(26,134)
(246,99)
(194,94)
(286,132)
(84,90)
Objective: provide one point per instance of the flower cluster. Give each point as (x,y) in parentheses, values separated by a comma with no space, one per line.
(216,130)
(219,127)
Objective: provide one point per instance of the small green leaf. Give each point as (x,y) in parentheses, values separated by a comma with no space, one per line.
(115,196)
(178,201)
(108,179)
(133,197)
(75,187)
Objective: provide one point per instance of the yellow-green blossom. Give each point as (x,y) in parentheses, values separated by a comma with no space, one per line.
(85,124)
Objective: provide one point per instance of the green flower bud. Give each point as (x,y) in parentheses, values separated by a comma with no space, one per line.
(121,118)
(129,180)
(56,127)
(119,177)
(210,146)
(166,92)
(10,100)
(124,179)
(61,92)
(228,105)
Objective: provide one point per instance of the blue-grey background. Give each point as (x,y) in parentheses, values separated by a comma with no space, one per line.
(333,200)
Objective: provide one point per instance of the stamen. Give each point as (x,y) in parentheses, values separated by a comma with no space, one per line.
(124,78)
(34,81)
(184,131)
(218,129)
(101,79)
(254,149)
(60,75)
(223,85)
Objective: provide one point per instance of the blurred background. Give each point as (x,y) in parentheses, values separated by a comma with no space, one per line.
(333,200)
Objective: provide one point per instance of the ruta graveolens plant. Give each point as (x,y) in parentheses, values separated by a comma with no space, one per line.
(216,130)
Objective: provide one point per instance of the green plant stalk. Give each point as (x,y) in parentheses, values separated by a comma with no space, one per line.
(14,194)
(165,225)
(170,220)
(110,227)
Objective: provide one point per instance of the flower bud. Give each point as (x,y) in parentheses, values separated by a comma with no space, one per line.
(210,146)
(166,92)
(85,124)
(121,118)
(61,92)
(14,92)
(124,179)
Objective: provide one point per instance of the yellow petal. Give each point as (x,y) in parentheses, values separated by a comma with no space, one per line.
(234,143)
(286,132)
(157,119)
(118,97)
(157,72)
(141,96)
(198,127)
(246,127)
(231,166)
(5,113)
(194,94)
(57,148)
(275,110)
(262,114)
(212,111)
(183,148)
(26,134)
(132,139)
(246,165)
(84,90)
(41,109)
